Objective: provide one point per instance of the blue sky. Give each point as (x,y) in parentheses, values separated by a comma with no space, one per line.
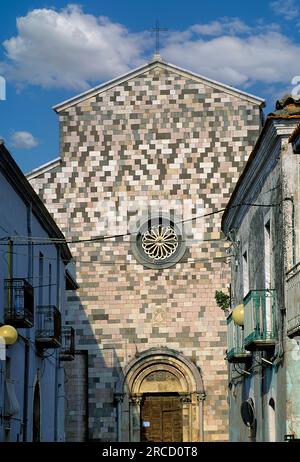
(51,51)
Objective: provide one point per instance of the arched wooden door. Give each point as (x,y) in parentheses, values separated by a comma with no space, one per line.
(161,418)
(162,399)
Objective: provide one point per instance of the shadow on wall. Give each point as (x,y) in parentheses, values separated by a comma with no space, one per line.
(106,402)
(90,380)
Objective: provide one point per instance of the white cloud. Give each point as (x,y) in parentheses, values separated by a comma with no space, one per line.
(229,26)
(212,28)
(288,9)
(264,57)
(71,49)
(68,49)
(23,140)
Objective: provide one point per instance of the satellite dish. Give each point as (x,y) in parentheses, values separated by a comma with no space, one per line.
(247,412)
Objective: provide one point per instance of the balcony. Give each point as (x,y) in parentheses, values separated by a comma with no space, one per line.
(67,351)
(19,303)
(48,327)
(236,352)
(293,301)
(260,320)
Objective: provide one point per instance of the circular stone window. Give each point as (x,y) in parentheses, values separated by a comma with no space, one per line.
(158,243)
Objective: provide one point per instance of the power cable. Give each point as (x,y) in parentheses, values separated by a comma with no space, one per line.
(48,241)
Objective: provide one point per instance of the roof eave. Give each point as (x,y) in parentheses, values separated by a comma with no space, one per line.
(123,78)
(230,203)
(43,168)
(19,182)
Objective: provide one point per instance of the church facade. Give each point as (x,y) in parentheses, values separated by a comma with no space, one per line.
(145,161)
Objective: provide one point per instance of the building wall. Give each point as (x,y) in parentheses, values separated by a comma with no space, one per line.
(264,382)
(275,180)
(47,372)
(290,174)
(167,142)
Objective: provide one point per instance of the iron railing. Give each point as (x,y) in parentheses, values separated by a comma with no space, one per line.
(260,319)
(48,327)
(67,350)
(236,351)
(19,303)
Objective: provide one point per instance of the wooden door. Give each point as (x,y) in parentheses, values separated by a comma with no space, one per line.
(161,418)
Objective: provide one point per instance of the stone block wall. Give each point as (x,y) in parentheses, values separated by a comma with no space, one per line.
(171,142)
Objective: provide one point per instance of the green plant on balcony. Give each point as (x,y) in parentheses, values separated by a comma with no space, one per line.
(222,300)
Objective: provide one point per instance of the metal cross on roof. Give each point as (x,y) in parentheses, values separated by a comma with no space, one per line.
(157,31)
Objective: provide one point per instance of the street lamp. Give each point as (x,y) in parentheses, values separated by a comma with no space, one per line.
(238,315)
(9,334)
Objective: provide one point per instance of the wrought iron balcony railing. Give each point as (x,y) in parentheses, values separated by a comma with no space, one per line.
(19,303)
(260,327)
(236,351)
(67,350)
(48,327)
(293,301)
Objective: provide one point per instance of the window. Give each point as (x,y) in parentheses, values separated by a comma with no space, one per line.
(267,270)
(159,242)
(50,284)
(41,278)
(267,254)
(271,421)
(245,269)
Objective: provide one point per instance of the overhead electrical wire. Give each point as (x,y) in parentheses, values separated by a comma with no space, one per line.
(194,260)
(49,241)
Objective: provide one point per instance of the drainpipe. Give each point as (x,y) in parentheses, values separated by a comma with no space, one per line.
(10,266)
(26,343)
(56,352)
(55,396)
(28,332)
(10,271)
(25,392)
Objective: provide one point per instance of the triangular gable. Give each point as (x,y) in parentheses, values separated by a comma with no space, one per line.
(45,168)
(147,67)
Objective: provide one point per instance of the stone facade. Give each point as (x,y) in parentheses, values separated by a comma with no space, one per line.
(163,139)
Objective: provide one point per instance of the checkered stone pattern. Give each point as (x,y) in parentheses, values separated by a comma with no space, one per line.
(159,139)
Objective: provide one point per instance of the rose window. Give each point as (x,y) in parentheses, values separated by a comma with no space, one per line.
(160,242)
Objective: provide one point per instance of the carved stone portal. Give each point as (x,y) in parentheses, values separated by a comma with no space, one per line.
(162,372)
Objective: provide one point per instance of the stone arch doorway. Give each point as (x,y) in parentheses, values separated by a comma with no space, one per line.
(163,389)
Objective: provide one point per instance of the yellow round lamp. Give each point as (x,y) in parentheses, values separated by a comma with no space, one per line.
(9,334)
(238,315)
